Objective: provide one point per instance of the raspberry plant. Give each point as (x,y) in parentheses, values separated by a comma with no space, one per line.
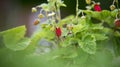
(90,38)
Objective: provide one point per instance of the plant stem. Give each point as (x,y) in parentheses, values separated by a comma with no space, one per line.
(59,14)
(77,4)
(114,2)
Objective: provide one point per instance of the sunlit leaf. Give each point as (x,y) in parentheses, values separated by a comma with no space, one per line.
(14,38)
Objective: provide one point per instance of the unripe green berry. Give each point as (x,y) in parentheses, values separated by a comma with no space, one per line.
(112,7)
(34,10)
(88,1)
(40,16)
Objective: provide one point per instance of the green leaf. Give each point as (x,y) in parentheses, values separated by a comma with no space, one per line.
(60,3)
(65,43)
(97,26)
(64,32)
(44,6)
(66,20)
(100,36)
(116,61)
(77,28)
(88,44)
(103,58)
(114,12)
(97,15)
(117,34)
(14,38)
(93,14)
(105,14)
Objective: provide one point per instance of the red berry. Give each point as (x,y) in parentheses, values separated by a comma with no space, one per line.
(36,22)
(58,31)
(97,7)
(117,22)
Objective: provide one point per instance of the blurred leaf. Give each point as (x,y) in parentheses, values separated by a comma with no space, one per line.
(116,62)
(100,36)
(114,12)
(14,38)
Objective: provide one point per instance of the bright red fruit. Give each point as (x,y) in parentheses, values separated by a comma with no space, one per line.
(58,31)
(117,22)
(97,7)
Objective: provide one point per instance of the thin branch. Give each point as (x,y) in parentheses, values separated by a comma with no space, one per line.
(77,5)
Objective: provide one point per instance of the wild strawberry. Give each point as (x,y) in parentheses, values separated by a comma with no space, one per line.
(88,1)
(34,9)
(36,21)
(112,7)
(58,32)
(117,22)
(40,16)
(97,7)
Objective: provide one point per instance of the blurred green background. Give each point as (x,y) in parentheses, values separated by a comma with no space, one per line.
(18,12)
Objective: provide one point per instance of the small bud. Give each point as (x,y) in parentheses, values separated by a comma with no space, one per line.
(34,10)
(112,7)
(88,1)
(36,22)
(97,7)
(40,16)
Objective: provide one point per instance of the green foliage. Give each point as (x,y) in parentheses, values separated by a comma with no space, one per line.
(14,38)
(87,41)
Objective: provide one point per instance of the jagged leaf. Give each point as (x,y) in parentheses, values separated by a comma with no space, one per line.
(14,38)
(88,44)
(105,14)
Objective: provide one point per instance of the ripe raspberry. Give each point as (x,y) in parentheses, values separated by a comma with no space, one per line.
(58,32)
(117,22)
(97,7)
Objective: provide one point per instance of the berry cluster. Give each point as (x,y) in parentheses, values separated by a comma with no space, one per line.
(49,11)
(96,6)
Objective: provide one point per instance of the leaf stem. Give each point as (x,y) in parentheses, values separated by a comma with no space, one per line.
(77,4)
